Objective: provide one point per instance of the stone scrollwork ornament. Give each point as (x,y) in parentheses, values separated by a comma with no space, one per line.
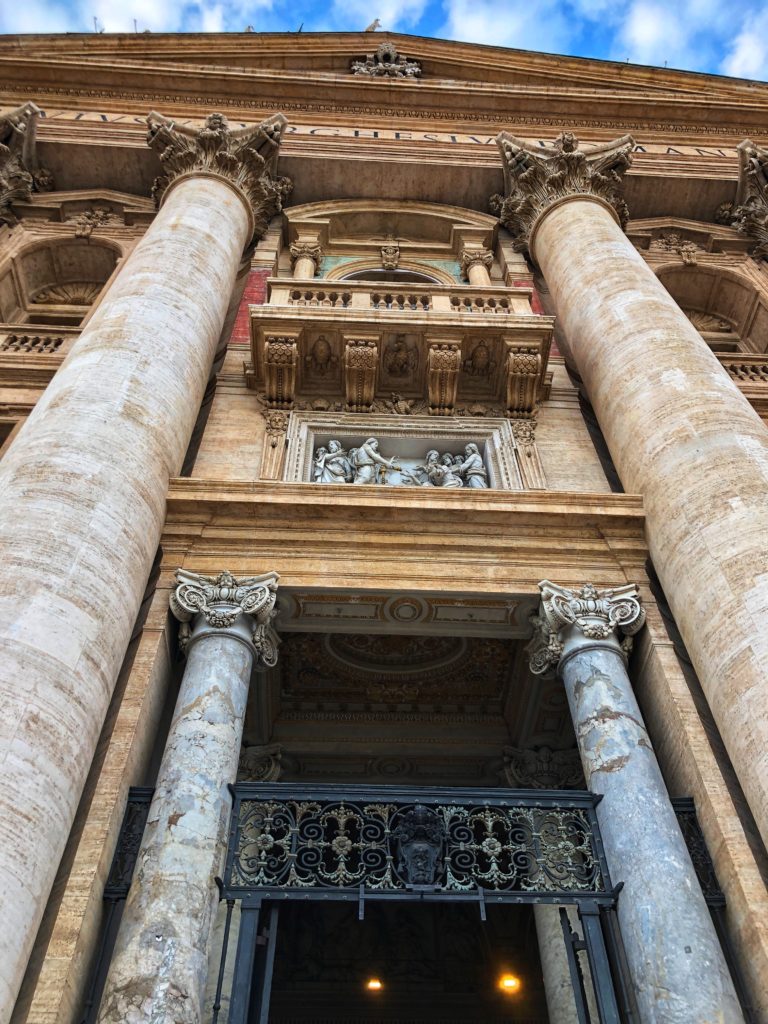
(542,768)
(535,179)
(386,62)
(750,213)
(221,600)
(596,615)
(260,763)
(246,157)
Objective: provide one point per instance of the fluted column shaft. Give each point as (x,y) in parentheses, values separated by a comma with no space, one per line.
(678,970)
(82,501)
(159,968)
(682,435)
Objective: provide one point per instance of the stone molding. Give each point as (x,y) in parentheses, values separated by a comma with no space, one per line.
(20,174)
(536,180)
(246,158)
(471,257)
(222,603)
(577,618)
(750,211)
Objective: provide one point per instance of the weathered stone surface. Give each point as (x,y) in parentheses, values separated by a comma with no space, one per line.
(82,502)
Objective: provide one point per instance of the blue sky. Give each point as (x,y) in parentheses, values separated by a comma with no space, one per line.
(729,38)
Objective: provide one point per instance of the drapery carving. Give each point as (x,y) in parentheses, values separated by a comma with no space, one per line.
(750,212)
(20,174)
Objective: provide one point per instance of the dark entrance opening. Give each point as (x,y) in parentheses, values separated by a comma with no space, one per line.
(406,963)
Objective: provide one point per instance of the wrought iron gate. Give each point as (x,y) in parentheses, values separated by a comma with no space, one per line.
(359,843)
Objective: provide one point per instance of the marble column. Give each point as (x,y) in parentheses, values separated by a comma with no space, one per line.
(82,495)
(679,431)
(558,985)
(678,970)
(305,256)
(475,267)
(160,965)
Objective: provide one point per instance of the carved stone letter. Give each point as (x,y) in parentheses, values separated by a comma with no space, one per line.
(281,357)
(535,179)
(443,365)
(361,362)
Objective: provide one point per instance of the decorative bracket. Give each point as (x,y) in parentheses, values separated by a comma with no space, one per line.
(281,358)
(361,363)
(443,366)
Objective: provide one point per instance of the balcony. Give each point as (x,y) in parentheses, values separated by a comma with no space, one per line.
(750,373)
(30,354)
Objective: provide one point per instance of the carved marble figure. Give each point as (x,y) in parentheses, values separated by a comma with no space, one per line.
(472,470)
(332,465)
(365,460)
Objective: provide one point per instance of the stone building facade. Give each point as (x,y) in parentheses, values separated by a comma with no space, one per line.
(288,732)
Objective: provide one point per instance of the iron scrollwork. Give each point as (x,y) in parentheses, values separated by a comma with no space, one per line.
(449,842)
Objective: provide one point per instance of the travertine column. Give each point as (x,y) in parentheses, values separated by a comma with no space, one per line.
(678,970)
(475,266)
(160,965)
(679,431)
(82,498)
(558,984)
(305,256)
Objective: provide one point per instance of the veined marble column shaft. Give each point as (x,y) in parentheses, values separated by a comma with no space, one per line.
(160,964)
(679,431)
(82,500)
(678,970)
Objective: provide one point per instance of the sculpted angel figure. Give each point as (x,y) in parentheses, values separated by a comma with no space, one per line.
(365,460)
(472,470)
(332,465)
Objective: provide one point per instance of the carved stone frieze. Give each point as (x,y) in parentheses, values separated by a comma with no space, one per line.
(443,366)
(20,173)
(596,615)
(220,601)
(542,768)
(306,250)
(260,763)
(281,357)
(535,179)
(750,212)
(475,257)
(386,62)
(246,157)
(87,221)
(673,242)
(361,363)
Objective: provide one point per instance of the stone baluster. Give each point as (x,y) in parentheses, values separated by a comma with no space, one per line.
(305,257)
(679,431)
(678,970)
(83,489)
(159,968)
(475,266)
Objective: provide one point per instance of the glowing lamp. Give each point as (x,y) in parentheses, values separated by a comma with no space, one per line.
(374,985)
(509,984)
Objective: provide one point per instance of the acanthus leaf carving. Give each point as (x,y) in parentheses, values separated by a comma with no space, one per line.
(596,615)
(260,763)
(534,180)
(524,378)
(361,363)
(246,157)
(443,366)
(281,357)
(20,173)
(302,249)
(475,257)
(386,62)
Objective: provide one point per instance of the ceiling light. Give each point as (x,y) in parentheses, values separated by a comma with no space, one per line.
(510,984)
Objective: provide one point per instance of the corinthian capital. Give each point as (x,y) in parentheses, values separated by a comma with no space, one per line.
(20,174)
(246,157)
(245,608)
(750,213)
(536,179)
(571,619)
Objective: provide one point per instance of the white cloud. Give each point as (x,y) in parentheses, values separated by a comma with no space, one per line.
(527,26)
(653,33)
(36,16)
(748,56)
(394,15)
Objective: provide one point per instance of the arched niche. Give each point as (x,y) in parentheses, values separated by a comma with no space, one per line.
(725,305)
(56,281)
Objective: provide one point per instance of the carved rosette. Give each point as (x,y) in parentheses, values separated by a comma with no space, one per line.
(222,602)
(475,258)
(246,158)
(306,251)
(361,363)
(597,615)
(281,358)
(536,179)
(443,366)
(542,768)
(750,213)
(20,173)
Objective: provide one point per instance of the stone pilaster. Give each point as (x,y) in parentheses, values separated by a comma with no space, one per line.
(20,173)
(159,968)
(750,211)
(89,473)
(677,966)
